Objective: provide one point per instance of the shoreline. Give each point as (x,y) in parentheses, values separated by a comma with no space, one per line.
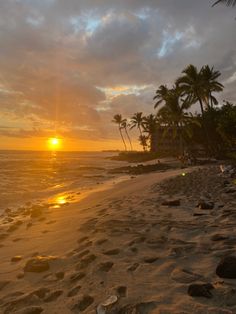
(119,241)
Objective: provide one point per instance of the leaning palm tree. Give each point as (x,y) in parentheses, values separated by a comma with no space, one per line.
(124,126)
(137,121)
(118,120)
(229,3)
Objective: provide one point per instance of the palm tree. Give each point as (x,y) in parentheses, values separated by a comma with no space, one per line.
(209,77)
(173,115)
(143,139)
(227,2)
(161,94)
(118,120)
(137,121)
(192,85)
(124,126)
(150,124)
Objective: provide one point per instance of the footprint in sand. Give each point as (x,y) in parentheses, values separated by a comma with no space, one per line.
(150,260)
(77,276)
(101,241)
(51,222)
(84,302)
(112,252)
(105,267)
(86,261)
(73,292)
(82,254)
(81,240)
(53,296)
(133,267)
(84,246)
(121,291)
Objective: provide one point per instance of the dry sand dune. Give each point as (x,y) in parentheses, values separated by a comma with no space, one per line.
(124,242)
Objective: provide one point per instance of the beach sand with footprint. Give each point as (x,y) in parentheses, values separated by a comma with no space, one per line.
(124,242)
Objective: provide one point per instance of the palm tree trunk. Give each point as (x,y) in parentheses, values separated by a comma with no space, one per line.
(122,138)
(201,105)
(130,143)
(141,134)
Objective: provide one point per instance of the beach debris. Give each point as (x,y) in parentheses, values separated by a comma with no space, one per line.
(202,204)
(16,258)
(174,202)
(38,264)
(84,302)
(107,304)
(227,267)
(200,290)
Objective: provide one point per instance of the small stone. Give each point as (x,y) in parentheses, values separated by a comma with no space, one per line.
(205,205)
(200,290)
(16,258)
(227,267)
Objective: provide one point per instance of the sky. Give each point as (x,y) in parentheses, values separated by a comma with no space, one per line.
(67,66)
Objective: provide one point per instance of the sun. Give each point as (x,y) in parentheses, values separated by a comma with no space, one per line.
(54,143)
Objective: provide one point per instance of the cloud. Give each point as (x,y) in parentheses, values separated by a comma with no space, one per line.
(73,64)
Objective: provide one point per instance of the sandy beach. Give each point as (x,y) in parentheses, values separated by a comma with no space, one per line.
(143,241)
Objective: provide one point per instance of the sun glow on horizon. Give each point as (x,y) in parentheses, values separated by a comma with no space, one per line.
(54,143)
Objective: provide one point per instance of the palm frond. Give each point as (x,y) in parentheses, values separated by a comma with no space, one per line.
(229,3)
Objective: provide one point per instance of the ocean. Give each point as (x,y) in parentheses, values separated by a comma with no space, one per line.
(27,176)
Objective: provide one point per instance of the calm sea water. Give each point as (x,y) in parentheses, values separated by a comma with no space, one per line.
(26,175)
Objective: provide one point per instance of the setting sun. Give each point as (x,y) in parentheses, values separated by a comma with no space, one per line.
(54,143)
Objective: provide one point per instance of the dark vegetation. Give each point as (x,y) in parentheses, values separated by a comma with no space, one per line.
(211,130)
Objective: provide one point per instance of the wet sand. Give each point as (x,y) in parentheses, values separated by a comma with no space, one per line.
(123,241)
